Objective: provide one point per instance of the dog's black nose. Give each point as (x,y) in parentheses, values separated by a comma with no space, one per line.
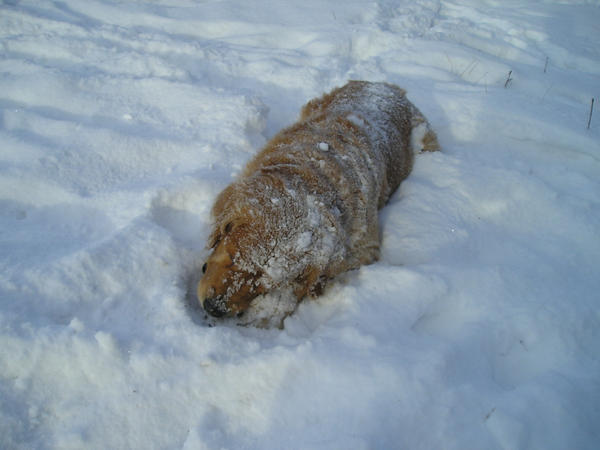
(215,306)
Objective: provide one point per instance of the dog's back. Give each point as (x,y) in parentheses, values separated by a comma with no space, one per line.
(396,129)
(351,148)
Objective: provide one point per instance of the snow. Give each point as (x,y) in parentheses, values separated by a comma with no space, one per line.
(121,122)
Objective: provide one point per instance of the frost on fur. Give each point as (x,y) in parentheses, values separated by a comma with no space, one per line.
(305,208)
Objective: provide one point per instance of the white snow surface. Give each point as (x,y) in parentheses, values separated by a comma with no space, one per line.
(120,122)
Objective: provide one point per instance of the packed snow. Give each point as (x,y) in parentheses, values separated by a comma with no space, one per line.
(122,121)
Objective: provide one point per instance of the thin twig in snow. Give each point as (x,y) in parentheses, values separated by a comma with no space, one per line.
(509,79)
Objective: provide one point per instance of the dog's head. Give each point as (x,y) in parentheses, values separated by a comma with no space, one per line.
(261,241)
(229,282)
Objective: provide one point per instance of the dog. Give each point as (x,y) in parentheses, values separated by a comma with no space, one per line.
(305,208)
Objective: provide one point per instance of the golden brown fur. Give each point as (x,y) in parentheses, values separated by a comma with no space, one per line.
(305,208)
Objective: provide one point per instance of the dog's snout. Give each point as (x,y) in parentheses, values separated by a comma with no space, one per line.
(215,306)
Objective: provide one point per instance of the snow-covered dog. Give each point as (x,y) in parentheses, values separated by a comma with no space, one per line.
(305,208)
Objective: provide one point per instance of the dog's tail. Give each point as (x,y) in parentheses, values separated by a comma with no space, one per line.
(422,138)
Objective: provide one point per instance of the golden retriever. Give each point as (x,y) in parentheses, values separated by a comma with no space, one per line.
(305,208)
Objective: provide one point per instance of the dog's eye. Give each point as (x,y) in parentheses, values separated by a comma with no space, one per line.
(204,268)
(215,241)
